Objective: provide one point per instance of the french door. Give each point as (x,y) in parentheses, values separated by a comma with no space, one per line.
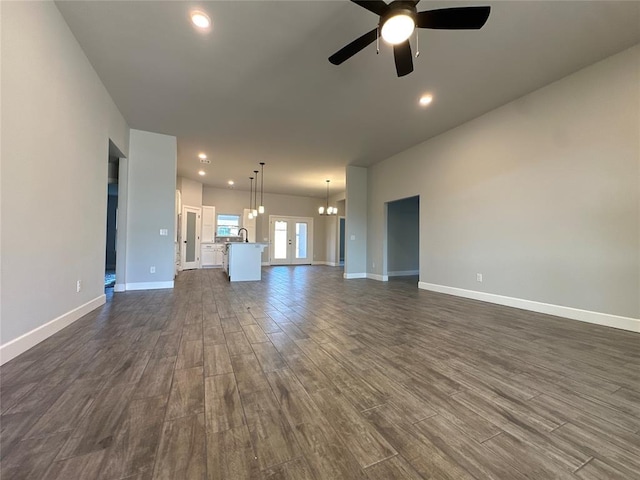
(291,240)
(190,248)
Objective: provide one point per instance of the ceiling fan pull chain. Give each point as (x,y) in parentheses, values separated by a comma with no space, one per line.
(417,44)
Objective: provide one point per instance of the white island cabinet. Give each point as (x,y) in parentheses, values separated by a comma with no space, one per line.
(243,261)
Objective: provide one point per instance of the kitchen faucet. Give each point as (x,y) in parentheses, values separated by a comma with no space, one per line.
(246,234)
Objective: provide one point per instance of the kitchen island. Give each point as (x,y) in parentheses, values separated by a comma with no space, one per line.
(242,262)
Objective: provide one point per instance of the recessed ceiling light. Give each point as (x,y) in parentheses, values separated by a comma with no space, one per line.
(230,182)
(202,156)
(426,100)
(200,20)
(201,173)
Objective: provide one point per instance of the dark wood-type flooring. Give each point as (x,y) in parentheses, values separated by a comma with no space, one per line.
(308,376)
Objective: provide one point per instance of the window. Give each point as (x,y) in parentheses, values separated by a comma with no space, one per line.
(228,225)
(301,240)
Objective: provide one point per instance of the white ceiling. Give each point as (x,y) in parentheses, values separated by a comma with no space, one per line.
(259,87)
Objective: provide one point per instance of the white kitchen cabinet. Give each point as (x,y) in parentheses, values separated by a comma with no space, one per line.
(211,254)
(218,254)
(250,225)
(208,223)
(206,255)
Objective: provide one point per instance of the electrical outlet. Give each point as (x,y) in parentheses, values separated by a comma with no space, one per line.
(78,285)
(164,232)
(152,269)
(479,277)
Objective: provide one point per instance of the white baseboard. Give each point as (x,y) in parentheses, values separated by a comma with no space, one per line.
(24,342)
(119,287)
(265,264)
(385,278)
(380,278)
(608,320)
(148,285)
(349,276)
(404,273)
(328,264)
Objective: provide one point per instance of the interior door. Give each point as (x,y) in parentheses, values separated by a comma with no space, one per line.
(190,238)
(291,240)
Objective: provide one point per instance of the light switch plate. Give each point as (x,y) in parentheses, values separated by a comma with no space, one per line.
(164,232)
(353,237)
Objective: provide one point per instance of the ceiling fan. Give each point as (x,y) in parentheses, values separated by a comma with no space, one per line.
(399,18)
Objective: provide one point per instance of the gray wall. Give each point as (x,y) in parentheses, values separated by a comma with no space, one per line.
(57,119)
(356,222)
(331,225)
(190,192)
(403,236)
(233,201)
(541,196)
(330,239)
(151,207)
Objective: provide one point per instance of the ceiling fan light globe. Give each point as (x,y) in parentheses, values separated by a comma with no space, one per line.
(397,28)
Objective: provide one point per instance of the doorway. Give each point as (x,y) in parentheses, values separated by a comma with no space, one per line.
(190,251)
(403,238)
(116,223)
(341,228)
(112,223)
(291,240)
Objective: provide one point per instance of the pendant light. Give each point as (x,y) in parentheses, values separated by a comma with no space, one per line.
(250,199)
(255,203)
(261,207)
(327,210)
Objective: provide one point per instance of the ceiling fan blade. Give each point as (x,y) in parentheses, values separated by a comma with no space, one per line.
(402,56)
(376,6)
(348,51)
(460,18)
